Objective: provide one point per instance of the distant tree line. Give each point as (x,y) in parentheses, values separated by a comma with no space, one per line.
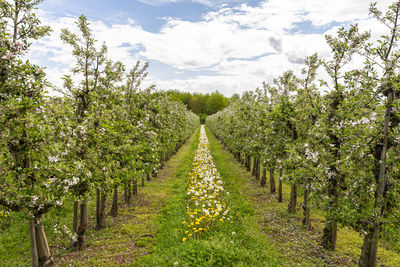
(201,104)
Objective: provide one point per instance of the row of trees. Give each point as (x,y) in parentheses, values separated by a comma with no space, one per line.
(201,104)
(102,134)
(340,147)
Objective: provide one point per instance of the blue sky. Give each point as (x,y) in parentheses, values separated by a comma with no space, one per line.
(202,45)
(149,16)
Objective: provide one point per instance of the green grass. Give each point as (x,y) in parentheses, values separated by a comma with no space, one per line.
(250,237)
(296,245)
(170,218)
(243,248)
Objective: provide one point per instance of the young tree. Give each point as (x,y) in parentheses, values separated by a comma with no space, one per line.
(303,154)
(30,177)
(286,84)
(106,112)
(343,48)
(130,104)
(385,55)
(89,65)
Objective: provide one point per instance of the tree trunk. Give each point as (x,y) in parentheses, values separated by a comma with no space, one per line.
(126,194)
(81,242)
(34,252)
(135,187)
(248,163)
(280,197)
(16,21)
(242,159)
(253,171)
(98,196)
(272,181)
(114,207)
(370,248)
(330,230)
(103,203)
(100,209)
(42,245)
(75,219)
(264,177)
(370,245)
(329,235)
(142,181)
(306,208)
(258,169)
(129,192)
(293,199)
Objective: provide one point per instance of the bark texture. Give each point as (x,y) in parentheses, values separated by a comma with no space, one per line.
(43,250)
(263,180)
(280,197)
(34,252)
(293,199)
(272,181)
(81,239)
(114,207)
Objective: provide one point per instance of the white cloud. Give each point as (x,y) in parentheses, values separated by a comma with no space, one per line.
(243,45)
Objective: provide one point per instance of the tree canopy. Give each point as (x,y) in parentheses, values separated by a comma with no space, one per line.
(201,104)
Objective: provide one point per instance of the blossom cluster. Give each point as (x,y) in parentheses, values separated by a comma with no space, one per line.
(6,215)
(206,205)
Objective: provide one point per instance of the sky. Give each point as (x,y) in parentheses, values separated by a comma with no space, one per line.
(202,45)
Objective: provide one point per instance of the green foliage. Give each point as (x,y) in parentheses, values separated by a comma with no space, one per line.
(201,104)
(27,141)
(339,145)
(104,131)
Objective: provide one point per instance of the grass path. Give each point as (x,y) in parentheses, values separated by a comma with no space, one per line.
(295,246)
(131,235)
(225,244)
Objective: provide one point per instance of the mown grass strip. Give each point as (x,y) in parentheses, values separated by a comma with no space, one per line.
(235,244)
(247,230)
(168,237)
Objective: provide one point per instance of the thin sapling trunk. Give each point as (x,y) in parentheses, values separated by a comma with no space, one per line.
(114,207)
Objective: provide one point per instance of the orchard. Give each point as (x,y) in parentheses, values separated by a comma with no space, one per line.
(118,172)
